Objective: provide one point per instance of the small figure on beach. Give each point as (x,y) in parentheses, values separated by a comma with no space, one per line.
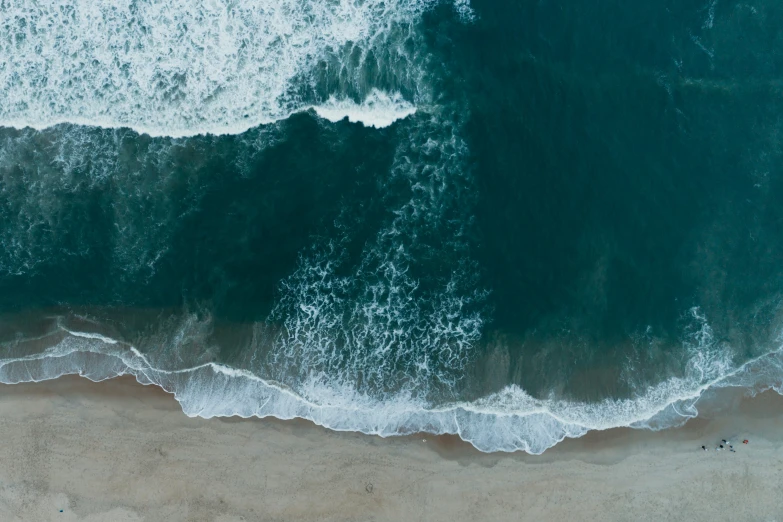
(704,448)
(745,441)
(721,446)
(726,442)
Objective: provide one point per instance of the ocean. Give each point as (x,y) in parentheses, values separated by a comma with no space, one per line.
(513,221)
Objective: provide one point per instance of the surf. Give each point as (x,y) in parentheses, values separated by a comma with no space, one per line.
(192,67)
(509,420)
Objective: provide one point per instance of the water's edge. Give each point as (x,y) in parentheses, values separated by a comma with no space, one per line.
(503,422)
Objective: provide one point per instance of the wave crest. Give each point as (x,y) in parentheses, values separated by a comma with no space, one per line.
(378,110)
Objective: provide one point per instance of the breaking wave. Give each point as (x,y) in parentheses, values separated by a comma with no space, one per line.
(191,67)
(378,110)
(509,420)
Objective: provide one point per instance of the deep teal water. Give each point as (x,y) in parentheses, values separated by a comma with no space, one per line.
(579,228)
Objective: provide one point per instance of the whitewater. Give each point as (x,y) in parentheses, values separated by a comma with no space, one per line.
(509,420)
(192,67)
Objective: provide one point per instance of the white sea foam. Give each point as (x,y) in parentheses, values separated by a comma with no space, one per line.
(378,110)
(509,420)
(88,335)
(186,67)
(370,320)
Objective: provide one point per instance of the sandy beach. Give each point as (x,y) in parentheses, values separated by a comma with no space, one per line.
(119,451)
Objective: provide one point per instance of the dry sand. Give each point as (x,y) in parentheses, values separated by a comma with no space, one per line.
(118,451)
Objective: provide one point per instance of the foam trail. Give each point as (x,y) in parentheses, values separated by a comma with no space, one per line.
(369,321)
(88,335)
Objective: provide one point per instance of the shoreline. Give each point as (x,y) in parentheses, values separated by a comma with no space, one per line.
(118,450)
(504,419)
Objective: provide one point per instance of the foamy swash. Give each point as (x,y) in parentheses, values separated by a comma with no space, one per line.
(509,420)
(190,67)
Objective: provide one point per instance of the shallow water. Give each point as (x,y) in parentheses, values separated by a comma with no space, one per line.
(515,222)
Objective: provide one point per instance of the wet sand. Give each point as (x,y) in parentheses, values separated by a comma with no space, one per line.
(119,451)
